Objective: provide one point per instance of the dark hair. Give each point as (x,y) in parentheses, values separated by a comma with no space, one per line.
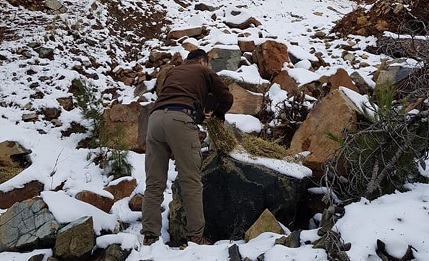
(198,54)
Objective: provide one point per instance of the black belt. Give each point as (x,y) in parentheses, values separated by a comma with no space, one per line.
(190,112)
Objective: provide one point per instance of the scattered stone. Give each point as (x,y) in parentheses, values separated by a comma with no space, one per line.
(135,204)
(125,126)
(122,188)
(27,226)
(234,253)
(76,240)
(99,201)
(189,32)
(265,223)
(33,116)
(51,113)
(111,253)
(293,240)
(320,34)
(66,103)
(204,7)
(46,53)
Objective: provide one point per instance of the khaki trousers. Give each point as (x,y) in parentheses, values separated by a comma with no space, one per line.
(172,132)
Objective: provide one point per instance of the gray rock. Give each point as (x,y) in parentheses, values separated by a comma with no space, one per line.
(224,59)
(47,53)
(76,240)
(111,253)
(26,226)
(53,4)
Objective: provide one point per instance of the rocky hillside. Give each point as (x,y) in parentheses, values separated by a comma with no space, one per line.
(293,72)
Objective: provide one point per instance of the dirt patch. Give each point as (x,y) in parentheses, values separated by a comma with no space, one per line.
(386,15)
(135,24)
(33,5)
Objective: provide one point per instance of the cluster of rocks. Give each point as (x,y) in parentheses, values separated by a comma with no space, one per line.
(28,223)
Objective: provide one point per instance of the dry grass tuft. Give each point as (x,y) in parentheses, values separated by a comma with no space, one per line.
(262,148)
(223,139)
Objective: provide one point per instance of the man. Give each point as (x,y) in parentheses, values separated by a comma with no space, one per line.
(172,128)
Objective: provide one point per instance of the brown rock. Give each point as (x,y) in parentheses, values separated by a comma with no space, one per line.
(287,83)
(136,202)
(122,189)
(98,201)
(179,33)
(66,103)
(51,113)
(270,57)
(333,114)
(246,46)
(340,78)
(189,46)
(244,25)
(29,190)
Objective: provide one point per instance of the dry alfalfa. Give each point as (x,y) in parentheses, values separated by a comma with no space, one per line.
(222,138)
(262,148)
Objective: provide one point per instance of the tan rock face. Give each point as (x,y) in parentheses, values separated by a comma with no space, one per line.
(244,101)
(265,223)
(125,125)
(333,114)
(270,57)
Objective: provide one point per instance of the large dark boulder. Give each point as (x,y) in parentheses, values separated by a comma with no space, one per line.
(235,195)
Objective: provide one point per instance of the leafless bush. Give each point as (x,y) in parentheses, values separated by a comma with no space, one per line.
(382,156)
(287,116)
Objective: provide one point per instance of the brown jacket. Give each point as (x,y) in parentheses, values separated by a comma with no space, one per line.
(192,81)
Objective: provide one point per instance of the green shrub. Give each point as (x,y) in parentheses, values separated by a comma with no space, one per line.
(111,155)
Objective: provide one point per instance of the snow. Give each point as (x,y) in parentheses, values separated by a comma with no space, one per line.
(399,220)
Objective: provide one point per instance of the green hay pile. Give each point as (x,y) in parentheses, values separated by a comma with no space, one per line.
(262,148)
(223,139)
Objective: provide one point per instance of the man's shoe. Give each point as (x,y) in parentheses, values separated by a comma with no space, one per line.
(149,240)
(199,240)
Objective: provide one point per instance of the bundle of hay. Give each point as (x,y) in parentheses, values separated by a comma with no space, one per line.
(225,141)
(222,138)
(262,148)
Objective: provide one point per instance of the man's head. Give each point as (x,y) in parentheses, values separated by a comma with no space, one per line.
(199,55)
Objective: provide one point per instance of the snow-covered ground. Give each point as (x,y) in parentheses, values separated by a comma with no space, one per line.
(399,220)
